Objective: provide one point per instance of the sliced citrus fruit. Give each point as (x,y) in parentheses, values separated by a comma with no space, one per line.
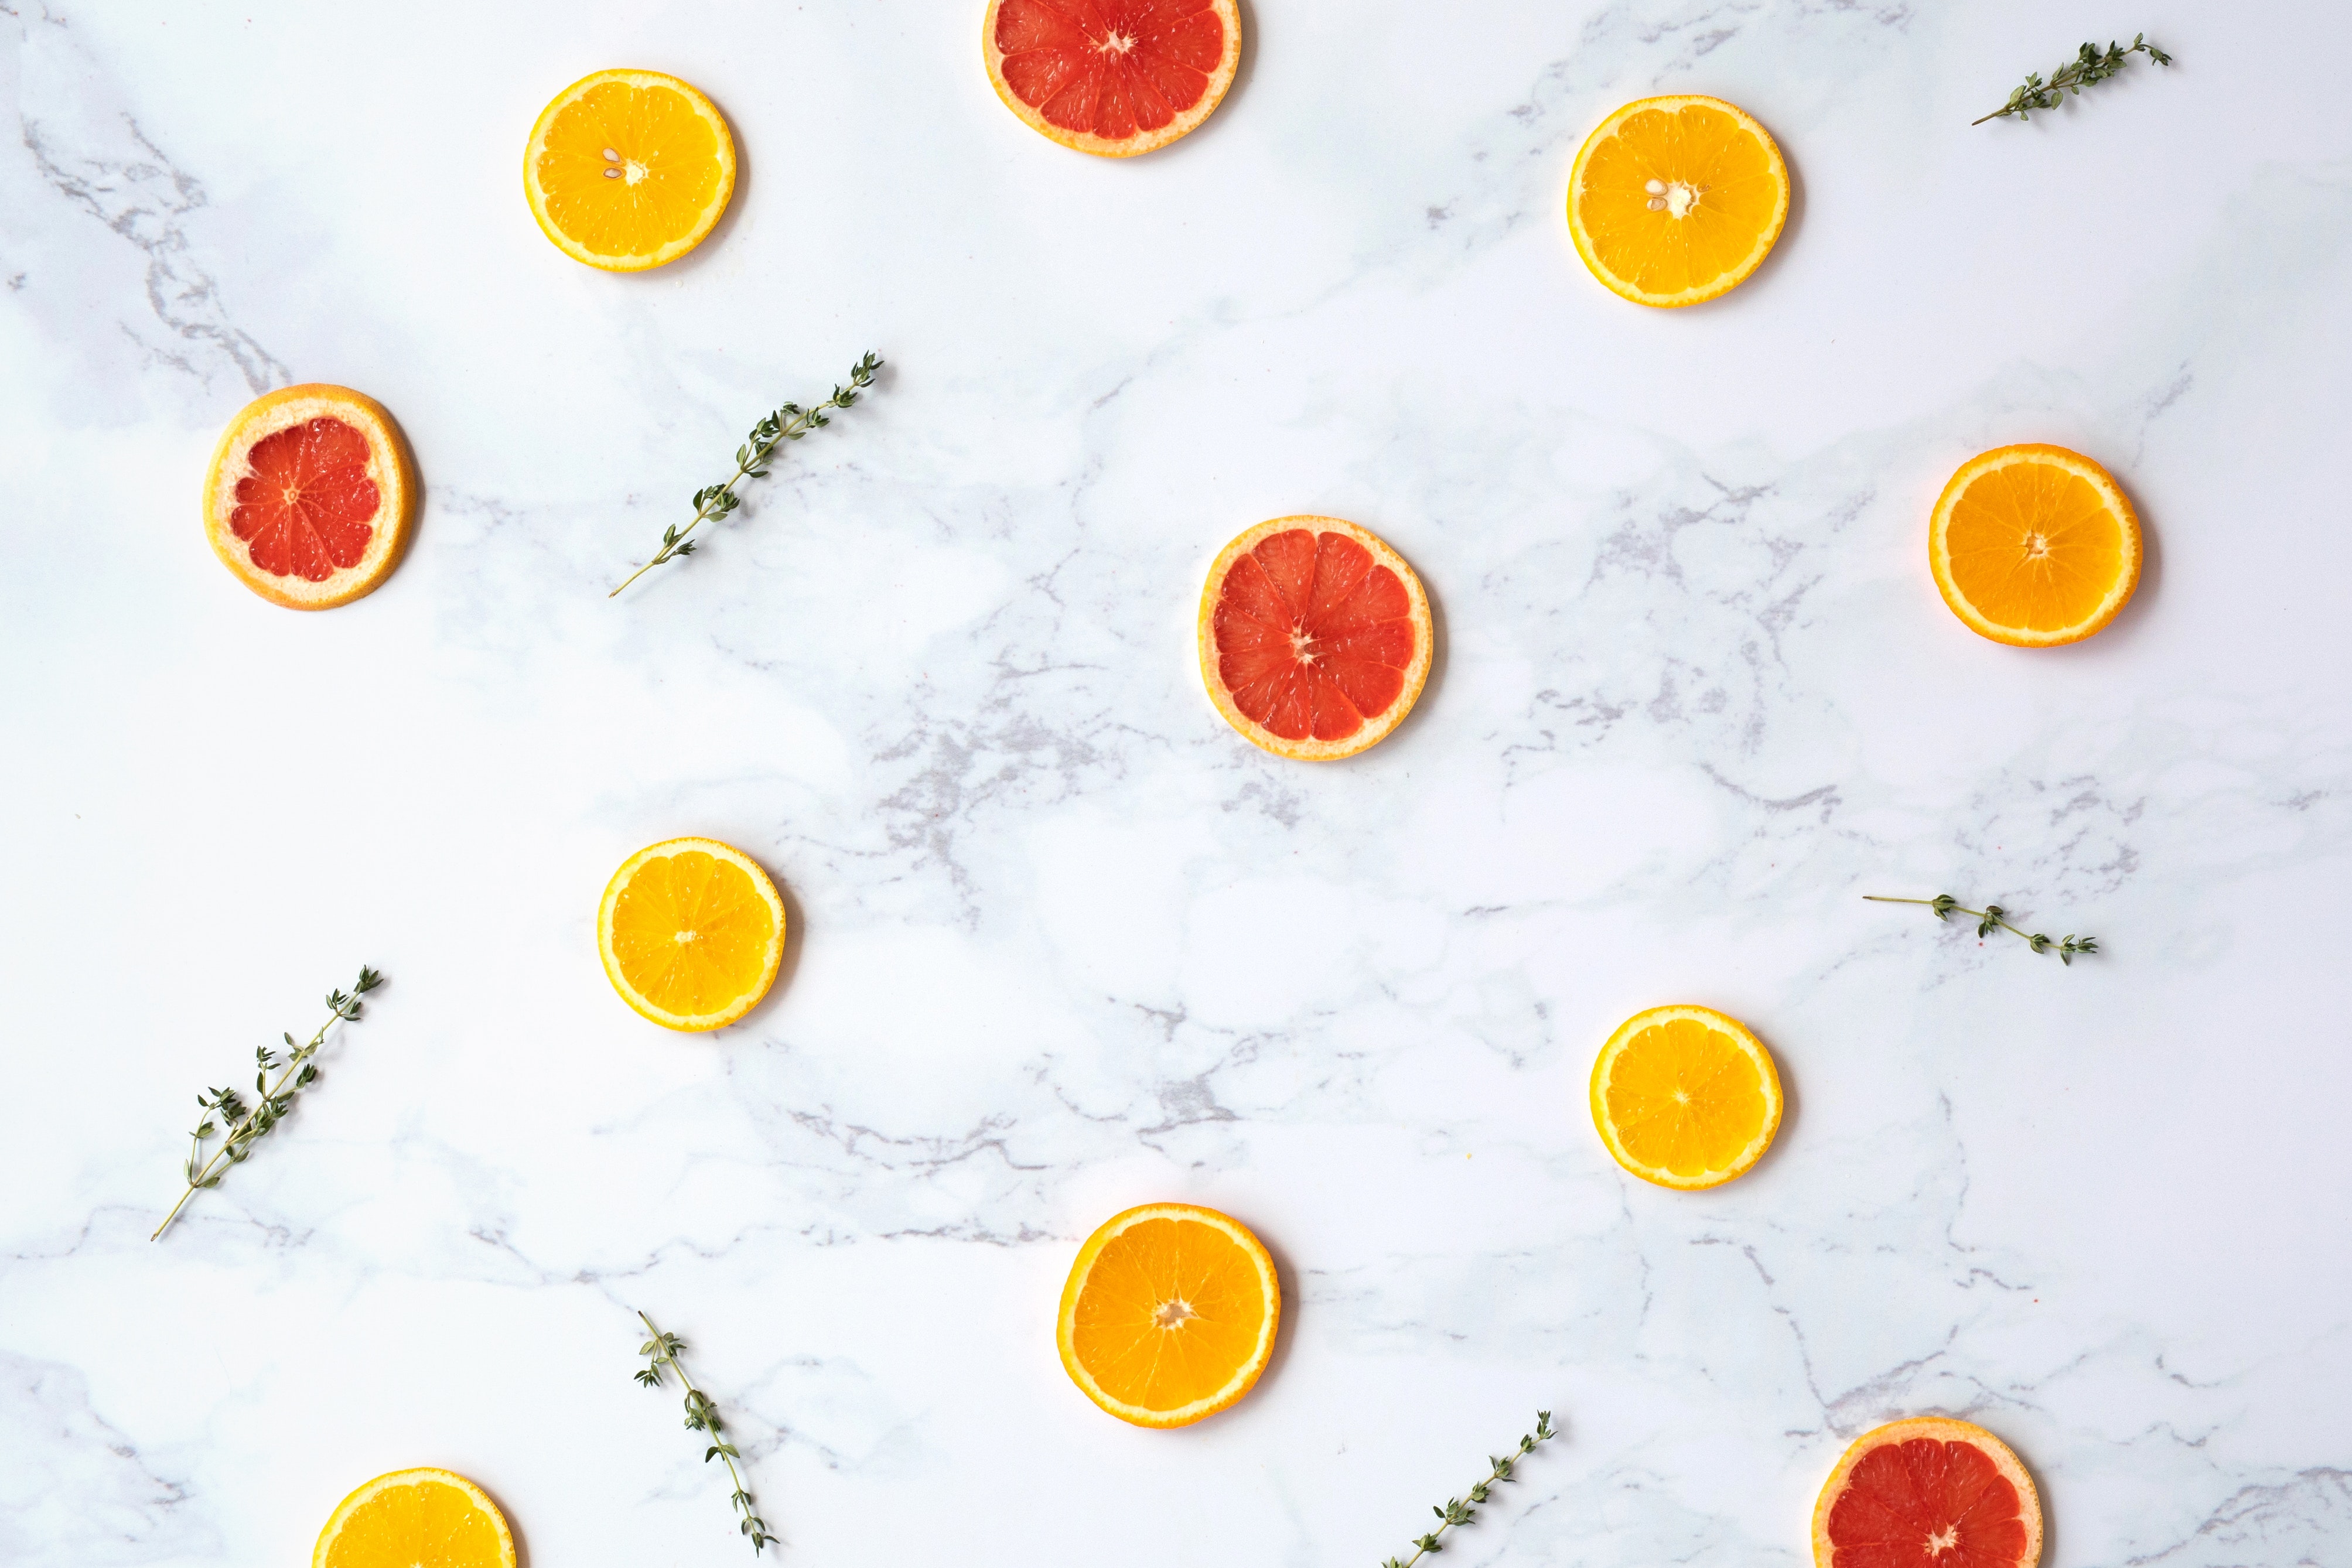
(310,496)
(1928,1493)
(1168,1314)
(2033,546)
(1113,78)
(628,169)
(1674,201)
(691,932)
(1315,637)
(1686,1096)
(415,1518)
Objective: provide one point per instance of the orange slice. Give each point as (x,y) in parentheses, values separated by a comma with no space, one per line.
(2033,546)
(1674,201)
(415,1518)
(692,931)
(1928,1493)
(1315,637)
(310,496)
(628,169)
(1168,1314)
(1113,78)
(1686,1096)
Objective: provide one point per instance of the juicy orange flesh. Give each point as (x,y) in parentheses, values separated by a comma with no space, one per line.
(2034,546)
(305,507)
(1695,155)
(1313,636)
(1685,1098)
(627,169)
(425,1525)
(1927,1504)
(1170,1310)
(691,933)
(1109,67)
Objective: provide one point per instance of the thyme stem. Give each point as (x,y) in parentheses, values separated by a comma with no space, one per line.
(1459,1511)
(2088,69)
(701,1416)
(789,423)
(1993,917)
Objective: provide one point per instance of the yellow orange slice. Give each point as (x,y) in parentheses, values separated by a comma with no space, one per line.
(628,169)
(2033,546)
(1923,1491)
(1168,1314)
(692,931)
(1686,1096)
(1315,637)
(415,1518)
(1114,78)
(310,496)
(1672,201)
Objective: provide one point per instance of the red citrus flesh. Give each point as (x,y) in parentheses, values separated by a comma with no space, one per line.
(1109,67)
(1928,1504)
(308,509)
(1313,636)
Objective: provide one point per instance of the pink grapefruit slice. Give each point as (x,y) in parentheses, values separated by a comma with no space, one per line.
(1929,1492)
(1114,78)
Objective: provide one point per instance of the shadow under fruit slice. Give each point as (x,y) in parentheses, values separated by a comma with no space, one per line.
(415,1518)
(1113,78)
(691,932)
(1315,637)
(1674,201)
(1928,1493)
(1686,1096)
(2033,546)
(1170,1314)
(628,169)
(310,496)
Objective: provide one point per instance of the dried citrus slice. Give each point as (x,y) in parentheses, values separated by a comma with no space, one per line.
(2033,546)
(415,1518)
(1315,637)
(692,931)
(1674,201)
(1168,1314)
(1686,1096)
(310,496)
(1928,1493)
(628,169)
(1113,78)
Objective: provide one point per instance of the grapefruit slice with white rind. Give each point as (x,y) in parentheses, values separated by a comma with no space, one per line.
(310,496)
(1929,1492)
(1113,78)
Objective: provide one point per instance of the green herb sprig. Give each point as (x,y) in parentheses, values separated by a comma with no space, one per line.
(1993,916)
(246,1125)
(790,423)
(2088,68)
(701,1416)
(1461,1511)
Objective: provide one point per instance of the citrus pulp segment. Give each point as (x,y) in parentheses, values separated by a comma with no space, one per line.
(1113,78)
(1170,1314)
(1672,201)
(2033,546)
(415,1518)
(310,496)
(1928,1493)
(1315,637)
(1686,1096)
(691,932)
(628,169)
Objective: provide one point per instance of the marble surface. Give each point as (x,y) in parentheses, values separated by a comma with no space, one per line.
(1064,942)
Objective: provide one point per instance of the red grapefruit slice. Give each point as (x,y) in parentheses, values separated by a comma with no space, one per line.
(1315,637)
(1113,78)
(310,496)
(1929,1493)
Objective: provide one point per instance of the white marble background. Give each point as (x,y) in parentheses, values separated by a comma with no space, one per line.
(1064,943)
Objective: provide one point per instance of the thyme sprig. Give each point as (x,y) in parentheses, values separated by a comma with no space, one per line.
(2088,68)
(1992,916)
(246,1125)
(701,1416)
(1461,1511)
(790,423)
